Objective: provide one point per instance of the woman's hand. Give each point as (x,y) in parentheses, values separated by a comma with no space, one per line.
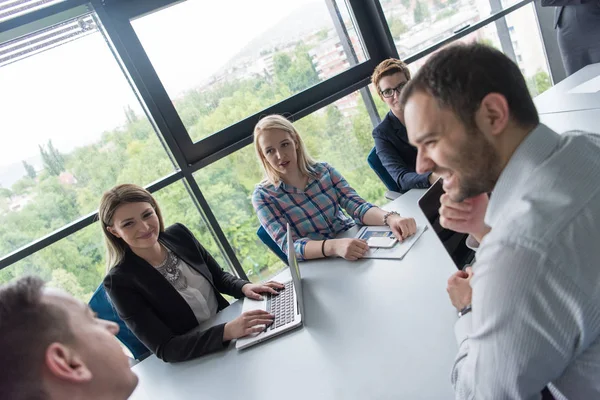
(253,290)
(249,322)
(349,249)
(402,227)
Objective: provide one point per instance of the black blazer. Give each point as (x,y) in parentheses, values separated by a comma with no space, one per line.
(397,155)
(156,313)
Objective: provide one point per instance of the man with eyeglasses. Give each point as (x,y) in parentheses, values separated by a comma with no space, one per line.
(397,155)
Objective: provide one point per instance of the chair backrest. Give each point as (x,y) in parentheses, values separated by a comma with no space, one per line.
(101,305)
(376,165)
(266,239)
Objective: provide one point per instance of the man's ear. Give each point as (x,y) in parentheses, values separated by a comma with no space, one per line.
(112,231)
(65,364)
(493,114)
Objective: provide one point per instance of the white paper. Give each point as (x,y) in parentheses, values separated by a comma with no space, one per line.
(399,250)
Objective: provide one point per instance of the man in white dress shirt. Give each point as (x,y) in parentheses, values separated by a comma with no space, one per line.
(530,307)
(54,347)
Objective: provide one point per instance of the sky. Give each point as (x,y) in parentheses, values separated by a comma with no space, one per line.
(74,92)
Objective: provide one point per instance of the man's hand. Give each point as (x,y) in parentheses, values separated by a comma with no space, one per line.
(465,217)
(459,288)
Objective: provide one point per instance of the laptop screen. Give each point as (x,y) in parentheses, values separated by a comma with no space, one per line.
(430,205)
(295,270)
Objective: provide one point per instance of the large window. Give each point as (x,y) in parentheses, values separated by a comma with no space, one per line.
(219,70)
(512,34)
(77,263)
(13,8)
(339,134)
(71,129)
(73,124)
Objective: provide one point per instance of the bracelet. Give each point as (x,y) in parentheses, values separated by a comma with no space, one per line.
(464,311)
(386,216)
(323,247)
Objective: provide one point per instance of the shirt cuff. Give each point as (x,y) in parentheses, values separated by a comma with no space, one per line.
(472,243)
(462,328)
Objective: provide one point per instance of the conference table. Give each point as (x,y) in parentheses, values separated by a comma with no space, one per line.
(574,103)
(373,329)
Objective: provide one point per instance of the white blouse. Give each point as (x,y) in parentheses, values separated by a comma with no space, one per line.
(195,289)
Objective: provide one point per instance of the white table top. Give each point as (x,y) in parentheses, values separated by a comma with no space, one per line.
(580,91)
(374,329)
(583,120)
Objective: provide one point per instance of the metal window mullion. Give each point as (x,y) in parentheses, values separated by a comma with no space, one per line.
(351,56)
(503,32)
(163,113)
(74,227)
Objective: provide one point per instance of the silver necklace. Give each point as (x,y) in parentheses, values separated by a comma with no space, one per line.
(169,268)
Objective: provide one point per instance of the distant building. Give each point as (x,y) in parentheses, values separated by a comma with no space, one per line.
(17,203)
(330,59)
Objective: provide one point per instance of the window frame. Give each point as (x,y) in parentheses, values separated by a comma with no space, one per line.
(115,17)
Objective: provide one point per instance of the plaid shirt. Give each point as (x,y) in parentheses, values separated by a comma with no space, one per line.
(314,213)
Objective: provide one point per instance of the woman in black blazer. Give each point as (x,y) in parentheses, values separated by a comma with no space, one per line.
(163,282)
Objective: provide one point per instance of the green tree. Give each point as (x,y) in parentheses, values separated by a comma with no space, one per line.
(538,83)
(53,161)
(397,27)
(29,169)
(406,3)
(421,12)
(130,115)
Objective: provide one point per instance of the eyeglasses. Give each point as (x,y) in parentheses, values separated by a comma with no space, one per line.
(387,93)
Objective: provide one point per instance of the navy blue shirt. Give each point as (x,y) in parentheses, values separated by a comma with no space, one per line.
(397,155)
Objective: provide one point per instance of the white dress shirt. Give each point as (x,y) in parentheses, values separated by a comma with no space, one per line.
(536,283)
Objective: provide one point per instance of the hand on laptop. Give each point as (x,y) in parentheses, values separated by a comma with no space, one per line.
(465,217)
(349,249)
(249,322)
(459,288)
(253,290)
(402,227)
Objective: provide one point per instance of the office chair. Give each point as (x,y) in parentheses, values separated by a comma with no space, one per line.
(101,305)
(374,162)
(266,239)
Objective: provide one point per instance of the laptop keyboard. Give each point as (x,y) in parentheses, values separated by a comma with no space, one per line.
(282,306)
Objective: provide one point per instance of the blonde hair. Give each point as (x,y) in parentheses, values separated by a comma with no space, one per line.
(113,199)
(389,67)
(305,161)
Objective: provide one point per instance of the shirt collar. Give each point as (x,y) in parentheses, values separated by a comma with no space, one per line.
(535,148)
(281,185)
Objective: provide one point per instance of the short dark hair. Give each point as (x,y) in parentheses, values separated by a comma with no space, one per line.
(389,67)
(28,325)
(461,75)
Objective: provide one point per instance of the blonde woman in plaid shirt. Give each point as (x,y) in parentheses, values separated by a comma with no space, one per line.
(310,196)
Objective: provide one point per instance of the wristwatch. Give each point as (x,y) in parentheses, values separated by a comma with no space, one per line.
(464,311)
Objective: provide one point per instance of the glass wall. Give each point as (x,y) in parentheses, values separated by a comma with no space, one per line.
(77,263)
(419,24)
(218,71)
(74,127)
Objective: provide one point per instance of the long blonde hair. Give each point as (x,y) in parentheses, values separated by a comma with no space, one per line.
(113,199)
(305,161)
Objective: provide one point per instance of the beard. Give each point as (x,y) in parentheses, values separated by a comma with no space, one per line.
(476,167)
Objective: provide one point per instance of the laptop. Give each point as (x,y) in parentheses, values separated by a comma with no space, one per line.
(287,306)
(454,242)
